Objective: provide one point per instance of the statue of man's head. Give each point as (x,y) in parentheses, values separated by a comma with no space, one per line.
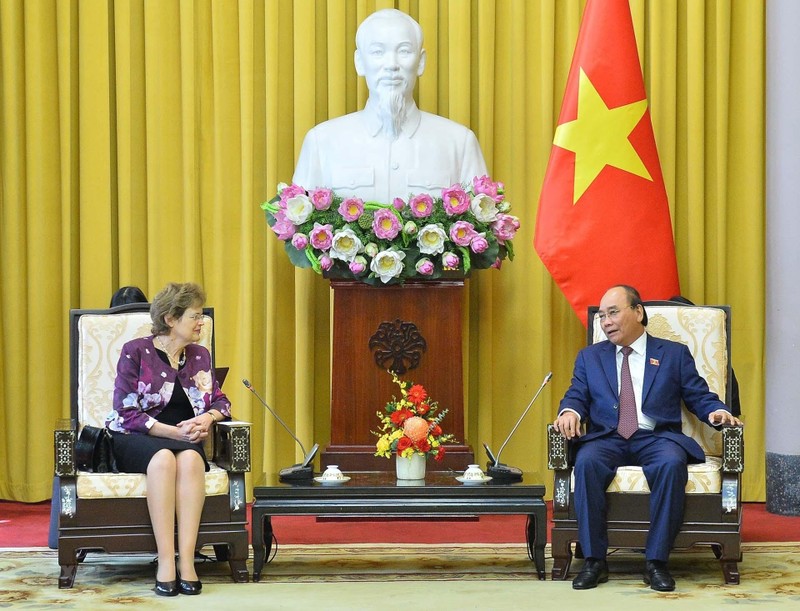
(389,55)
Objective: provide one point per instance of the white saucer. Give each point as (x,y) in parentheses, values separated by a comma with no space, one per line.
(332,482)
(473,482)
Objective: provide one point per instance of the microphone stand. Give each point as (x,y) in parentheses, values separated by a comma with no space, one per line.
(496,469)
(301,471)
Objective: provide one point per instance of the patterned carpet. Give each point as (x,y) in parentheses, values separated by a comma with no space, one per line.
(474,576)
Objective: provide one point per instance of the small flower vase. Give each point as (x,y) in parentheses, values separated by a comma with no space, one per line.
(411,468)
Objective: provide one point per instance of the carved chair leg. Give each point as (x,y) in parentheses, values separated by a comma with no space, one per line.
(562,558)
(239,571)
(67,577)
(731,572)
(221,552)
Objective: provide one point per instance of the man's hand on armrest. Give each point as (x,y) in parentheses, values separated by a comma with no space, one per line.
(568,424)
(721,417)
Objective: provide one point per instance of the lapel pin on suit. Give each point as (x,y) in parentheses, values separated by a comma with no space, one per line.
(654,362)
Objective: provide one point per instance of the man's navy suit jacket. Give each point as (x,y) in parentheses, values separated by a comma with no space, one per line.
(670,375)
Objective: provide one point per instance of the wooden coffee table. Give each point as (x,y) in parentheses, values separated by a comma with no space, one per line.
(380,495)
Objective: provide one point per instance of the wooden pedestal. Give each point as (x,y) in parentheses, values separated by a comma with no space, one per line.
(415,326)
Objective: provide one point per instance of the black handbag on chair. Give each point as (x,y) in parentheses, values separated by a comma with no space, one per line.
(94,450)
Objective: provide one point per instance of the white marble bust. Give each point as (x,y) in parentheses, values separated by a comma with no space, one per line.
(391,148)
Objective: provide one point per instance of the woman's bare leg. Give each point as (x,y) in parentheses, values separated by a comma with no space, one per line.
(190,493)
(161,505)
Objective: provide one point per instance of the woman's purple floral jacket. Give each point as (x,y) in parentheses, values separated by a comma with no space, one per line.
(145,383)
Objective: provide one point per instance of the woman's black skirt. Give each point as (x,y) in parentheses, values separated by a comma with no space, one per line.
(133,452)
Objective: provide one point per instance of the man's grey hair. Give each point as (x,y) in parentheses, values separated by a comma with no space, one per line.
(389,13)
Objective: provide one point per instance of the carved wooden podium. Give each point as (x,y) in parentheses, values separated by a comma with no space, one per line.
(413,329)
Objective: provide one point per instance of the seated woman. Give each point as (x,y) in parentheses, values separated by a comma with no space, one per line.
(165,403)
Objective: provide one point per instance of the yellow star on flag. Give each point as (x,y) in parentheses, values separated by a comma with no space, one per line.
(599,137)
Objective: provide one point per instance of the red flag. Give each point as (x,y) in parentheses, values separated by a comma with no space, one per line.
(603,214)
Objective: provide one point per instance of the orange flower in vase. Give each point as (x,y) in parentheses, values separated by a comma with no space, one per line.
(412,424)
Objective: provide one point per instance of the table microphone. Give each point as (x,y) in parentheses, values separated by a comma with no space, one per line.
(496,469)
(301,471)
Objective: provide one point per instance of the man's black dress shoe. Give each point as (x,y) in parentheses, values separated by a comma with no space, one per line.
(167,588)
(592,573)
(190,587)
(657,575)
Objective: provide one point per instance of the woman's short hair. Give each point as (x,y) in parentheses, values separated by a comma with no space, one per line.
(173,300)
(127,294)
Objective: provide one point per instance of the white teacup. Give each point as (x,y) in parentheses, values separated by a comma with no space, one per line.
(473,472)
(332,473)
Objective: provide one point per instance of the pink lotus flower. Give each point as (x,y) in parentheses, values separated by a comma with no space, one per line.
(322,198)
(291,191)
(283,227)
(325,262)
(421,205)
(299,241)
(424,267)
(322,236)
(505,227)
(479,243)
(450,260)
(462,233)
(455,200)
(485,185)
(386,225)
(351,209)
(398,204)
(358,265)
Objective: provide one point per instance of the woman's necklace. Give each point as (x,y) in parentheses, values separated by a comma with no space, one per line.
(176,363)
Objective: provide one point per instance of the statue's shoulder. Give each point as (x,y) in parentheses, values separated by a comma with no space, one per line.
(338,124)
(440,123)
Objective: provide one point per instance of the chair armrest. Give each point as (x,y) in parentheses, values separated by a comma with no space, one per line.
(557,450)
(232,445)
(558,461)
(64,437)
(733,449)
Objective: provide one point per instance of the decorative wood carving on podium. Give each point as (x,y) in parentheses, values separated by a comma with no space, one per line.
(414,329)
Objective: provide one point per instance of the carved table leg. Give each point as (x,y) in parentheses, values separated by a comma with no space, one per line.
(537,538)
(257,541)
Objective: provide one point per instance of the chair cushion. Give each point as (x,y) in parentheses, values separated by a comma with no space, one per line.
(118,485)
(704,478)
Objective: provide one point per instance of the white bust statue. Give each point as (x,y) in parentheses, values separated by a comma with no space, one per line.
(391,148)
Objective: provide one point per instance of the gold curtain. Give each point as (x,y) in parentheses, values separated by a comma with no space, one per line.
(138,138)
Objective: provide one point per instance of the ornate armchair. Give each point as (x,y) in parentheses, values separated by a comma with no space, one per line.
(108,511)
(713,502)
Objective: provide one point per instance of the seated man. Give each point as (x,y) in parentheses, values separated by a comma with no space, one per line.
(630,388)
(391,148)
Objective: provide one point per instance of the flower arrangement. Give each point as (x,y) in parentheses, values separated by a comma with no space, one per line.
(468,226)
(412,424)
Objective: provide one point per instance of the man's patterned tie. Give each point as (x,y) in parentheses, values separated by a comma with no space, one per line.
(628,421)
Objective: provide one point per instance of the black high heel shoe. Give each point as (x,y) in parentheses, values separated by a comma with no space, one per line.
(167,588)
(190,588)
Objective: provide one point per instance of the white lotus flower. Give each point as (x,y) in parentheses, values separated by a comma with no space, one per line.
(299,209)
(346,245)
(388,264)
(484,208)
(431,239)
